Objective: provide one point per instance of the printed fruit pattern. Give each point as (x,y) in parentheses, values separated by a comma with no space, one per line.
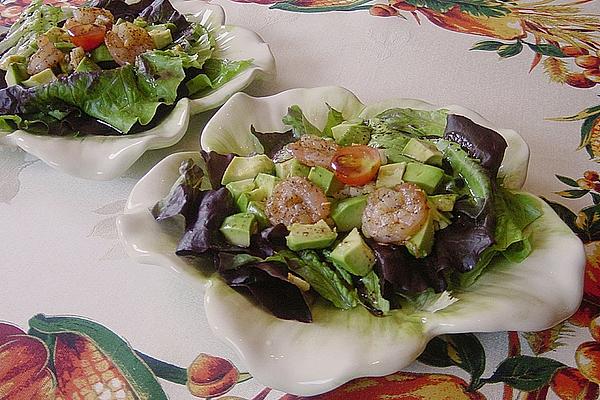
(69,358)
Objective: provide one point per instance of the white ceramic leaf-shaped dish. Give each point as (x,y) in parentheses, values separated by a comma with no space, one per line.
(308,359)
(107,157)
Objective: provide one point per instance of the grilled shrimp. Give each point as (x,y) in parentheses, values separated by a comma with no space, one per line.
(46,56)
(90,15)
(394,215)
(126,41)
(297,200)
(314,151)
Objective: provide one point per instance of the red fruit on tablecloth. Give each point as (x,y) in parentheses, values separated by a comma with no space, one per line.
(587,357)
(400,386)
(590,306)
(24,372)
(570,384)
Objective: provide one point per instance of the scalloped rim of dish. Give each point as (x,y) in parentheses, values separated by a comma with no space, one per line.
(108,157)
(283,356)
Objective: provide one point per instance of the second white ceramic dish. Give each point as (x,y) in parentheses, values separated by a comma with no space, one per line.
(107,157)
(309,359)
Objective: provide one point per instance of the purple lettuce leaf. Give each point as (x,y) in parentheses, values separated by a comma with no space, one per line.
(273,142)
(204,235)
(480,142)
(216,164)
(185,195)
(267,283)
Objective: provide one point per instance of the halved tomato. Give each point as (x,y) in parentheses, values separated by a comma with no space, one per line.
(356,165)
(87,36)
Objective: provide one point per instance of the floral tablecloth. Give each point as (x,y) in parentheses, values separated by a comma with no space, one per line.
(531,66)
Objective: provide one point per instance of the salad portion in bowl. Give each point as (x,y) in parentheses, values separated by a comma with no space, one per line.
(95,74)
(339,238)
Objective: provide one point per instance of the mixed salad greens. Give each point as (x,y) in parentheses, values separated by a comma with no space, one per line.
(108,68)
(399,210)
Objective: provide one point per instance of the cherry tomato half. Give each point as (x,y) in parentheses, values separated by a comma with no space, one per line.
(356,165)
(87,36)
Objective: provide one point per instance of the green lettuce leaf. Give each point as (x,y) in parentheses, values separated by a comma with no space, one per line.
(408,120)
(370,294)
(120,97)
(198,45)
(334,117)
(300,125)
(323,278)
(514,213)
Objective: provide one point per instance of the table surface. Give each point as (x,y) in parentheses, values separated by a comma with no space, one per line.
(512,62)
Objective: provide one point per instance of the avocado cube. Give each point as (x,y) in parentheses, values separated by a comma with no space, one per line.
(291,167)
(245,198)
(353,254)
(16,73)
(390,175)
(87,65)
(421,243)
(423,151)
(241,168)
(427,177)
(65,47)
(266,182)
(325,179)
(41,78)
(14,58)
(443,202)
(101,54)
(258,210)
(238,228)
(347,213)
(238,187)
(310,236)
(161,37)
(348,133)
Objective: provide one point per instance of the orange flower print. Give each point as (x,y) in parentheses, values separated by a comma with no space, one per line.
(24,372)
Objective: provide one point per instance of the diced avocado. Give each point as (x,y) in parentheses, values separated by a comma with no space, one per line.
(353,254)
(245,198)
(423,151)
(258,210)
(247,167)
(169,25)
(396,156)
(64,46)
(15,58)
(325,179)
(347,213)
(441,219)
(40,78)
(291,167)
(266,182)
(238,228)
(351,132)
(390,175)
(421,243)
(87,65)
(238,187)
(310,236)
(161,37)
(101,54)
(56,34)
(427,177)
(443,202)
(16,73)
(198,83)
